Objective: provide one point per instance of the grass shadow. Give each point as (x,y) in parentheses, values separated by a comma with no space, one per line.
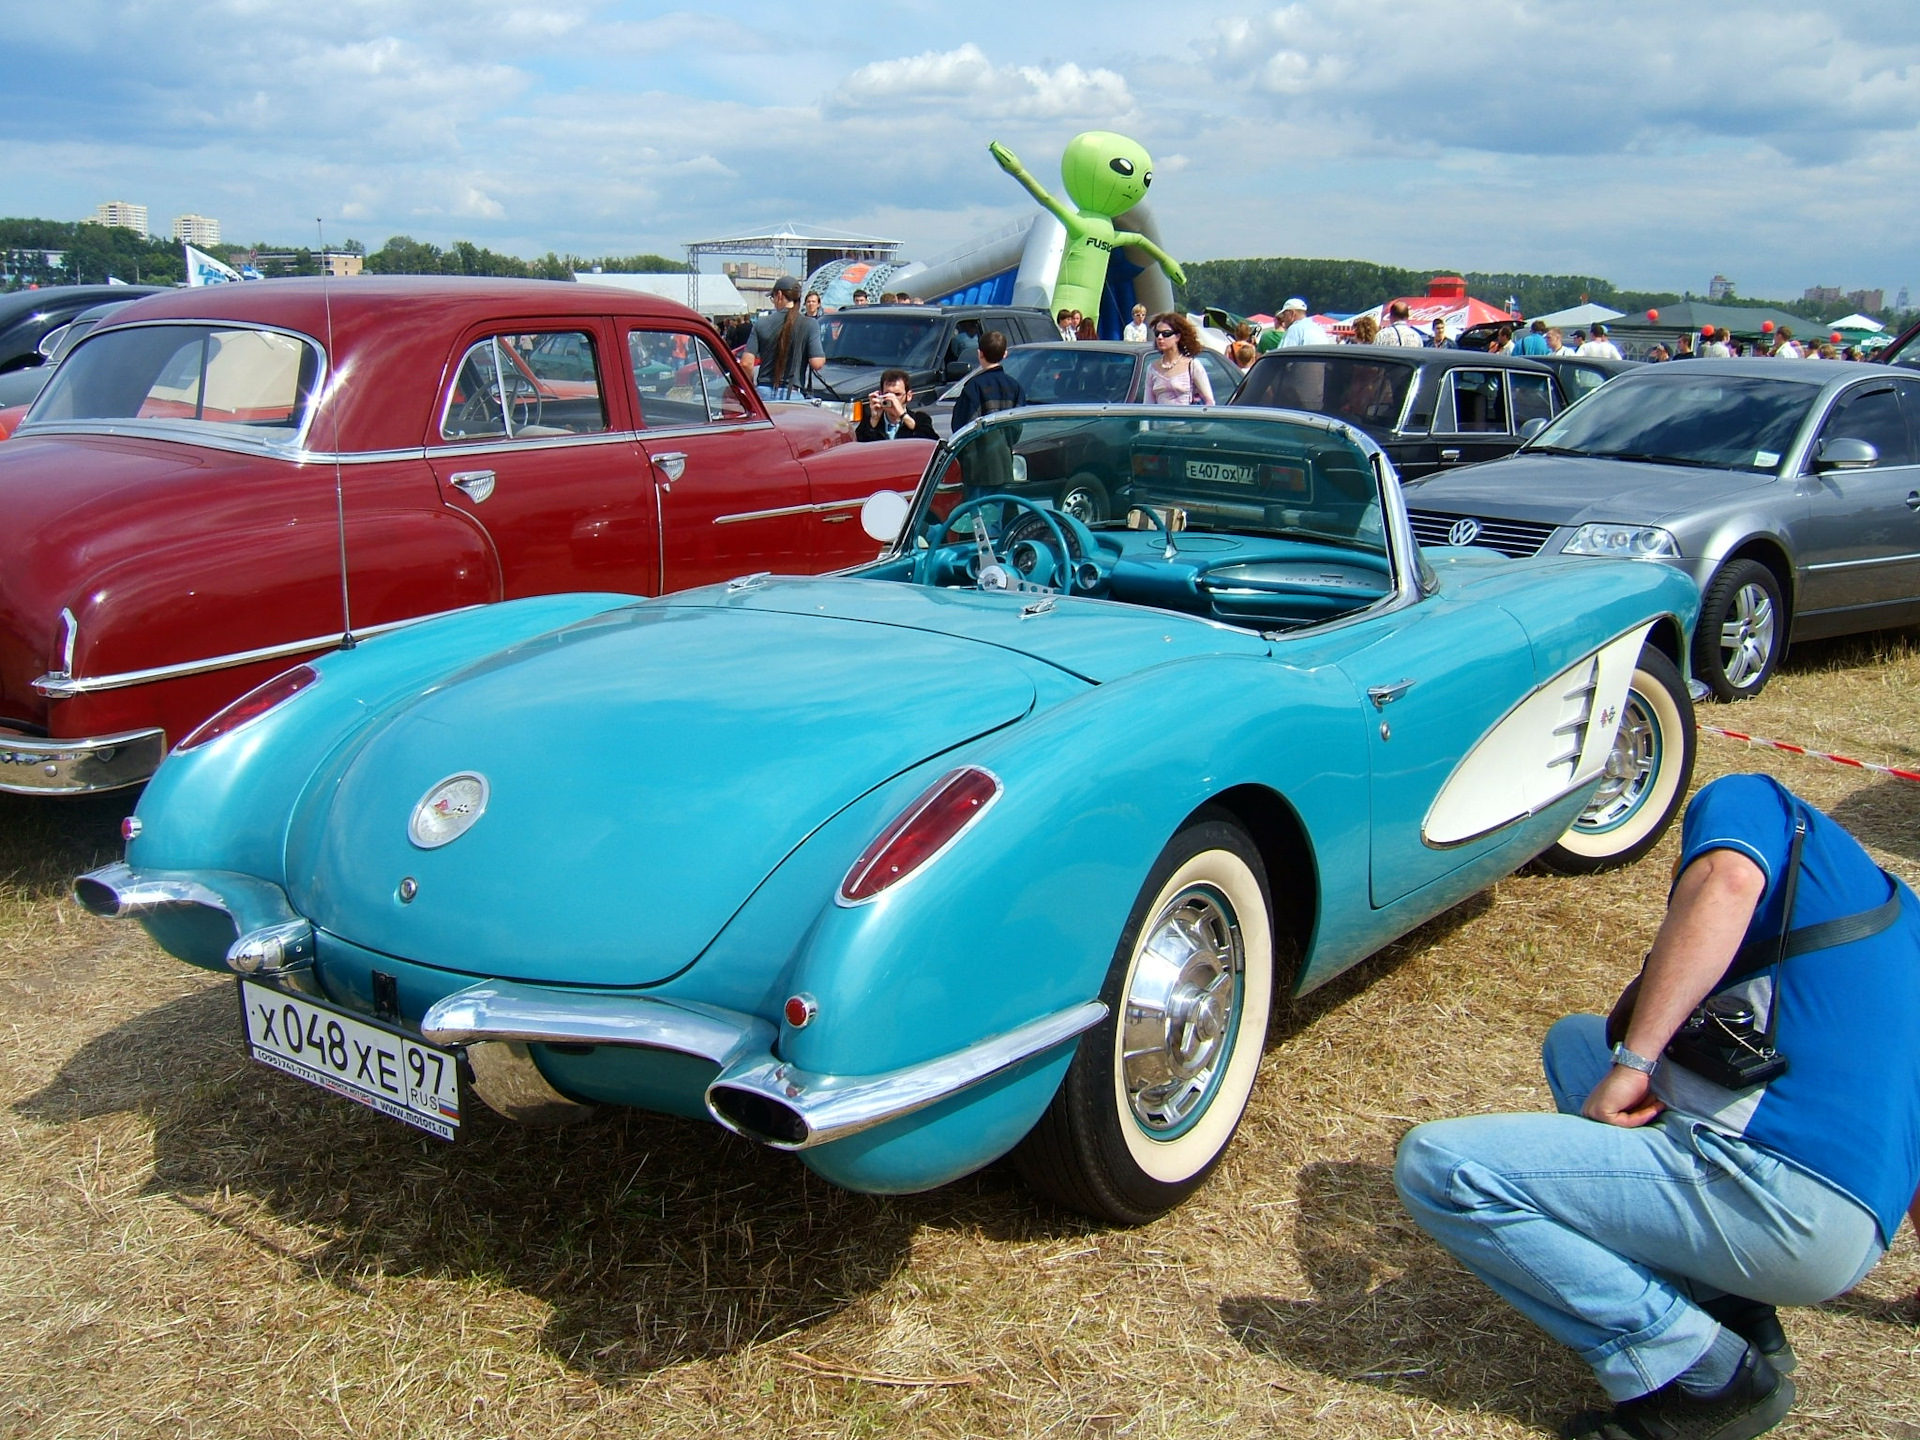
(1390,1309)
(1886,815)
(46,840)
(655,1241)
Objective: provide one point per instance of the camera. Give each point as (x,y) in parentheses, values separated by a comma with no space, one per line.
(1720,1042)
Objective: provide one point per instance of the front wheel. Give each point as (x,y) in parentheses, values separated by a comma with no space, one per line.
(1156,1090)
(1742,631)
(1646,777)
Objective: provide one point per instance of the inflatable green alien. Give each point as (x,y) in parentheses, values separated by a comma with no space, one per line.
(1105,175)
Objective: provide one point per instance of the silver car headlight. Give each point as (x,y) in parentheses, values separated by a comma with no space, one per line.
(1625,542)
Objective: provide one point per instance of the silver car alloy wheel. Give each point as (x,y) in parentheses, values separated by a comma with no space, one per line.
(1629,771)
(1179,1022)
(1746,636)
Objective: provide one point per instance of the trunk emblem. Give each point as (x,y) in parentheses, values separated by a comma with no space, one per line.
(448,810)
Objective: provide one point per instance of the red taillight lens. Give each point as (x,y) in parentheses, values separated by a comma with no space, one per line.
(251,706)
(921,831)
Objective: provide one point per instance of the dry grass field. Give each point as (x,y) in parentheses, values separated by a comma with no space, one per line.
(192,1245)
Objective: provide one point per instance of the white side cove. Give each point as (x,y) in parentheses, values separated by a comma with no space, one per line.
(1551,743)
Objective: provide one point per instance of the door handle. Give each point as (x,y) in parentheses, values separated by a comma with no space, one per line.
(839,517)
(1384,695)
(672,464)
(476,485)
(1913,499)
(1449,457)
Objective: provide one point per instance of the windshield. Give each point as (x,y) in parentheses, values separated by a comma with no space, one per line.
(905,342)
(1683,416)
(1254,475)
(1367,393)
(1066,375)
(254,380)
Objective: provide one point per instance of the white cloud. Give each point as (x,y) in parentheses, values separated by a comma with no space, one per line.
(965,75)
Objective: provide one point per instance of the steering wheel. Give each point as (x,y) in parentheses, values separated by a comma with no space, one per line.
(923,562)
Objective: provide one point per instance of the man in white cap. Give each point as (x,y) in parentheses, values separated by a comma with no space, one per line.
(1299,330)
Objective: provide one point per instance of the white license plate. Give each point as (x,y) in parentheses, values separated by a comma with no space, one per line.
(382,1069)
(1221,474)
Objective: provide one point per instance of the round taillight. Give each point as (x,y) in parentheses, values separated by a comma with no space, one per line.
(251,706)
(800,1010)
(921,831)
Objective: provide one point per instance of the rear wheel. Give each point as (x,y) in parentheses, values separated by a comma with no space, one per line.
(1156,1090)
(1742,632)
(1646,778)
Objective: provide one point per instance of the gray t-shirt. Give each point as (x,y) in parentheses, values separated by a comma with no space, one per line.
(764,344)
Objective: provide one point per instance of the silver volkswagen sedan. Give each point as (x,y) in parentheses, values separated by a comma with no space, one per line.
(1788,489)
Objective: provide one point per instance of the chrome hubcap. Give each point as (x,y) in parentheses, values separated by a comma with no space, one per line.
(1629,769)
(1180,1007)
(1080,505)
(1746,636)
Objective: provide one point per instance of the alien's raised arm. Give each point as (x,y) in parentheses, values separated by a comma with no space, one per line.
(1167,262)
(1010,162)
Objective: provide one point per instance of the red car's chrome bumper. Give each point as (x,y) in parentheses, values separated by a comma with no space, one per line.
(30,765)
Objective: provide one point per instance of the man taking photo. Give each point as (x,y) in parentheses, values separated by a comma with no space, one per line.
(888,416)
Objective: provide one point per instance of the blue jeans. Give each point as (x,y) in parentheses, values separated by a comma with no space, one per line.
(780,392)
(1606,1237)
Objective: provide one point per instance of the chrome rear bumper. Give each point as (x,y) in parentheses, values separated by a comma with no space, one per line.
(756,1094)
(30,765)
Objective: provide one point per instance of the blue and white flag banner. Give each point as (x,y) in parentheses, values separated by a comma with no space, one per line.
(203,269)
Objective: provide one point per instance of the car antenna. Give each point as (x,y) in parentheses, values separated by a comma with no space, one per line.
(347,642)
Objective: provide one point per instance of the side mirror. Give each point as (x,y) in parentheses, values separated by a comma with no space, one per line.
(1844,452)
(883,515)
(959,369)
(1532,428)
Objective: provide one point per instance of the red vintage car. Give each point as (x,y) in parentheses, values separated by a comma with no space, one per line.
(219,481)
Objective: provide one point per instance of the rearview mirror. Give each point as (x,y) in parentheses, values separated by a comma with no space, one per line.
(883,515)
(1844,452)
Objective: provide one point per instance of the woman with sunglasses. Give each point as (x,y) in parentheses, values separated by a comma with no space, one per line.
(1174,378)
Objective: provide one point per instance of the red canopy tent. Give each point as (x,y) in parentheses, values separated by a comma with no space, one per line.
(1446,299)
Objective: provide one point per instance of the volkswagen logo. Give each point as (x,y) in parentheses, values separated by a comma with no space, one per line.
(1463,532)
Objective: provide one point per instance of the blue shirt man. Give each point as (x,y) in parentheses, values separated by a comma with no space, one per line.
(1656,1242)
(1534,342)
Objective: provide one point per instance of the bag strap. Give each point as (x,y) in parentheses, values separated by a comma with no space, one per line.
(1787,893)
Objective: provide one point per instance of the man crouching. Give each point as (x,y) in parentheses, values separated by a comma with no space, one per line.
(1747,1136)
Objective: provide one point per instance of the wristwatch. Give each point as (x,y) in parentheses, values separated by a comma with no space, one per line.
(1626,1057)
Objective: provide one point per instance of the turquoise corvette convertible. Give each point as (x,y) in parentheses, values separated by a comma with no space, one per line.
(999,843)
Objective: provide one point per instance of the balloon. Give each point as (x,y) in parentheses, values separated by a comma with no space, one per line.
(1653,317)
(1766,327)
(1835,337)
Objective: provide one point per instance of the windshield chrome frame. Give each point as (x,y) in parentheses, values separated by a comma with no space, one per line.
(213,434)
(1403,554)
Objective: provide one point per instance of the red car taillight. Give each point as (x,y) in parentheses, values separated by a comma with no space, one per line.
(251,706)
(920,832)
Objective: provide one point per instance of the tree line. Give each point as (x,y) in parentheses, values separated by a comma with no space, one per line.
(1248,287)
(90,253)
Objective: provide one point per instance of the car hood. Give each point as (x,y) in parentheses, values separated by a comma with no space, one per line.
(1576,489)
(647,770)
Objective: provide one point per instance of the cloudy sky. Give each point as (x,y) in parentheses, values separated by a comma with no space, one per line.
(1647,141)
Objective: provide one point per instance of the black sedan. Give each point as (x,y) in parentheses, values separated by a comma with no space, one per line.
(1428,409)
(27,317)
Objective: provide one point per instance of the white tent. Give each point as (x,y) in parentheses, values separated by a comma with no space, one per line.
(709,294)
(1579,317)
(1857,321)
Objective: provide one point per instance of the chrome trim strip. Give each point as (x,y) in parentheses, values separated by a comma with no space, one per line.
(504,1010)
(455,450)
(1907,559)
(832,1107)
(64,687)
(30,765)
